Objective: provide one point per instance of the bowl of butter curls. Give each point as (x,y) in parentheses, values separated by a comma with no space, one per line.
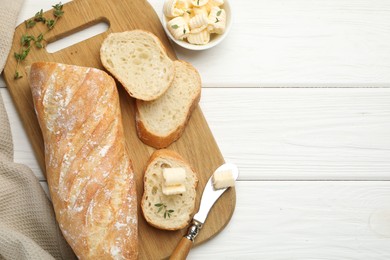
(197,24)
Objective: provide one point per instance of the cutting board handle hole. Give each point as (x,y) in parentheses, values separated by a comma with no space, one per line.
(77,36)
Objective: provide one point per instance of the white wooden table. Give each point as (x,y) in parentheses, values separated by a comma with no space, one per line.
(298,96)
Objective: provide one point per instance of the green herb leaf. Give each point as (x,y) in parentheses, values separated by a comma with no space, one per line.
(50,23)
(161,206)
(175,26)
(17,75)
(58,10)
(169,212)
(39,16)
(197,3)
(58,13)
(30,23)
(25,53)
(17,56)
(58,6)
(40,37)
(219,12)
(22,55)
(26,39)
(216,21)
(39,45)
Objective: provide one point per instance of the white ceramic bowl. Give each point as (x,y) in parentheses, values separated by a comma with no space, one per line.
(215,38)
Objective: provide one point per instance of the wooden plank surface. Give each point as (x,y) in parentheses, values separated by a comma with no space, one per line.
(303,134)
(300,43)
(288,134)
(305,220)
(281,220)
(196,145)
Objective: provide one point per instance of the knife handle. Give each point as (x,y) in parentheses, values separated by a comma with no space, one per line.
(183,248)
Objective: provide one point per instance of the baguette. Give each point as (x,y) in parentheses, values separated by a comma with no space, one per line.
(89,172)
(138,60)
(180,206)
(161,122)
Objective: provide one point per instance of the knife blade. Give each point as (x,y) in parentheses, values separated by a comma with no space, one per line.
(209,197)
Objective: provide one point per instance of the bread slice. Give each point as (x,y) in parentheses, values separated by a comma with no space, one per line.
(138,60)
(161,122)
(180,206)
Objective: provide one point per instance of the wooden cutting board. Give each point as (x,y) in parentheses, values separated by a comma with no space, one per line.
(197,144)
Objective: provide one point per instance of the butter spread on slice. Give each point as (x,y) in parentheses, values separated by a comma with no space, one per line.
(174,181)
(173,190)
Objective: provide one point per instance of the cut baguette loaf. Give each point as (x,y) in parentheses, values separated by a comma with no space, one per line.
(138,60)
(89,172)
(161,122)
(183,205)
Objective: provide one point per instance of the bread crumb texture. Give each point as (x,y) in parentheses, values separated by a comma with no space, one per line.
(139,61)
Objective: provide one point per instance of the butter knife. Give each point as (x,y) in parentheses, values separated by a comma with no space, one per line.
(209,197)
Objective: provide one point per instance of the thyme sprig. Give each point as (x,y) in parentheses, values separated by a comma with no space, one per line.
(27,39)
(162,207)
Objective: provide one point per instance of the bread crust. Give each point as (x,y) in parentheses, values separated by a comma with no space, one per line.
(157,141)
(170,155)
(89,172)
(167,153)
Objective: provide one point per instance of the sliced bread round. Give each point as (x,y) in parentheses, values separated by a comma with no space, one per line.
(138,60)
(168,212)
(162,121)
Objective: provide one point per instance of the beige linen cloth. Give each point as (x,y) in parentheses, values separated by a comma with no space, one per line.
(28,229)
